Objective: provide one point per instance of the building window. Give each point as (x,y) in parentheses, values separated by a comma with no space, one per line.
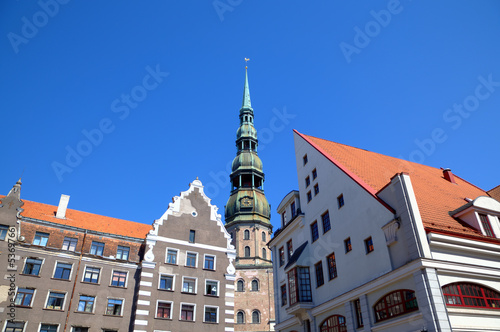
(486,225)
(283,218)
(332,266)
(41,239)
(314,231)
(255,285)
(69,244)
(209,262)
(97,248)
(256,317)
(187,312)
(119,279)
(86,303)
(171,256)
(289,249)
(471,295)
(14,326)
(122,253)
(357,312)
(211,315)
(63,271)
(369,245)
(340,201)
(319,273)
(24,297)
(283,295)
(314,174)
(394,304)
(282,256)
(240,317)
(3,231)
(32,266)
(347,245)
(189,285)
(191,259)
(114,307)
(246,235)
(309,196)
(167,282)
(240,286)
(325,218)
(211,288)
(164,310)
(247,251)
(55,301)
(316,189)
(48,327)
(264,236)
(335,323)
(294,211)
(305,159)
(264,254)
(299,285)
(92,274)
(308,181)
(192,235)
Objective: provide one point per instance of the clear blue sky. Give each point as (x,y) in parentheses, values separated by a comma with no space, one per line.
(162,81)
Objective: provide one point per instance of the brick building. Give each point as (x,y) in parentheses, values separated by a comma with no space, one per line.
(67,270)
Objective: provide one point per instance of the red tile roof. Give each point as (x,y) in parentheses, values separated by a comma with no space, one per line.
(436,196)
(85,220)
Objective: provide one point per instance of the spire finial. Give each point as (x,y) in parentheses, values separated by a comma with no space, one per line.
(246,90)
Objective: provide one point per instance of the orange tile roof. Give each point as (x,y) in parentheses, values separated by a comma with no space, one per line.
(85,220)
(435,195)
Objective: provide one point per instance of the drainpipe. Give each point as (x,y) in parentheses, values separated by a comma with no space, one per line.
(74,284)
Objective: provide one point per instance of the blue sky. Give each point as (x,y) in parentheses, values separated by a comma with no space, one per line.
(148,93)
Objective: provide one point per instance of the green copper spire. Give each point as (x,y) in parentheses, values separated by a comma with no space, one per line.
(246,92)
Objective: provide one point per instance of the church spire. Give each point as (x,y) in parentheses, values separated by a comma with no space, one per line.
(246,93)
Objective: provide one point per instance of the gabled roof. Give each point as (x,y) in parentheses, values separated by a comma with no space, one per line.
(85,220)
(435,195)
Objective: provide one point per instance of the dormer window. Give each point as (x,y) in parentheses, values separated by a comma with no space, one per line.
(482,214)
(485,224)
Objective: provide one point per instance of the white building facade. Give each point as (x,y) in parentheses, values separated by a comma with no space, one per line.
(374,243)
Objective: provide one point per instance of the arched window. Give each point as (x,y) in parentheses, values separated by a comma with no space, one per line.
(462,294)
(255,317)
(395,303)
(240,286)
(335,323)
(246,235)
(255,285)
(247,251)
(264,236)
(240,317)
(264,254)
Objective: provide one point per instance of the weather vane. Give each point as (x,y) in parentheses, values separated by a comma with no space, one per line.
(246,61)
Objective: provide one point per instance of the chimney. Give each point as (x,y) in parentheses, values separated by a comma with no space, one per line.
(448,175)
(63,205)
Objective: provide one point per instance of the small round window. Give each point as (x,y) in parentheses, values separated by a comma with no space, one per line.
(194,214)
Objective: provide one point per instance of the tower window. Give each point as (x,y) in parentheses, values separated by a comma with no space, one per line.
(247,251)
(246,235)
(240,286)
(305,159)
(264,254)
(264,236)
(255,285)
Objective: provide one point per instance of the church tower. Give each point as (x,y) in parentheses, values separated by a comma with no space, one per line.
(248,221)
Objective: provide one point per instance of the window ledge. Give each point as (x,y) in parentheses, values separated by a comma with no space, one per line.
(60,279)
(212,295)
(162,318)
(84,312)
(394,321)
(188,293)
(29,275)
(187,321)
(119,316)
(214,323)
(165,290)
(122,287)
(90,283)
(50,309)
(473,311)
(213,270)
(23,306)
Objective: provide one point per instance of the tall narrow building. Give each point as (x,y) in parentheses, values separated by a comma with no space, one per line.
(248,221)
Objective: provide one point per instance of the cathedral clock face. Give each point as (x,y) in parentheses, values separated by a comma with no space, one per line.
(246,202)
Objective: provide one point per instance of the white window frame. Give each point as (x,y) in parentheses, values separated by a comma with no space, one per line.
(32,298)
(93,307)
(177,257)
(72,238)
(41,265)
(106,308)
(15,321)
(39,245)
(47,299)
(173,281)
(217,316)
(195,284)
(40,326)
(111,279)
(194,312)
(196,260)
(171,309)
(215,261)
(55,267)
(218,287)
(88,282)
